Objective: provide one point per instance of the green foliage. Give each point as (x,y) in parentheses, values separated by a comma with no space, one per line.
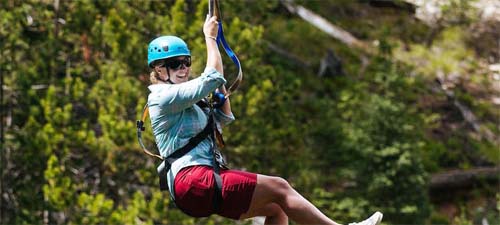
(444,57)
(58,188)
(75,78)
(462,220)
(456,65)
(459,12)
(375,147)
(93,209)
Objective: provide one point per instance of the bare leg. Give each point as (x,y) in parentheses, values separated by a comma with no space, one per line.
(273,213)
(276,190)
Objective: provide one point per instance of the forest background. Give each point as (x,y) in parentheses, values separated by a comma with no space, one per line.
(406,123)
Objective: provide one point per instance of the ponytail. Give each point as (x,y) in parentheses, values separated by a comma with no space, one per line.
(153,77)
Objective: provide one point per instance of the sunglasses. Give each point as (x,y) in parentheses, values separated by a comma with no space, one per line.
(176,64)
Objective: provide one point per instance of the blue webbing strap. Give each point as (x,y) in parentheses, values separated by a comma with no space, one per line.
(214,10)
(222,40)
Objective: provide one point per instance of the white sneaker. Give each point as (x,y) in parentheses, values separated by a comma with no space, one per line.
(375,219)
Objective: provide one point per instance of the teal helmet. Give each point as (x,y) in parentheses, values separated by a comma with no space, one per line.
(165,47)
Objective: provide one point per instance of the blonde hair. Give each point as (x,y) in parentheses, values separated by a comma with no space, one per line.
(153,77)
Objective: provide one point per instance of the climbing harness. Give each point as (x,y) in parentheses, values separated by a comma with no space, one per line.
(216,100)
(210,131)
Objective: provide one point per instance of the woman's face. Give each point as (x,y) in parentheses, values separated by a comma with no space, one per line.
(178,69)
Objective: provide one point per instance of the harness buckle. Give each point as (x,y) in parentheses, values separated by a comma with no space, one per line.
(219,158)
(140,125)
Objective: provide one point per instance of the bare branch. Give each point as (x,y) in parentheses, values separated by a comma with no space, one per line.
(327,27)
(464,178)
(467,114)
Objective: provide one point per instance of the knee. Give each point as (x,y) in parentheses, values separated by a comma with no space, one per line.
(281,186)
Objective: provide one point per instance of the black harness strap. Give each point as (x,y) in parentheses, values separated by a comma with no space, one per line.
(217,159)
(193,142)
(217,201)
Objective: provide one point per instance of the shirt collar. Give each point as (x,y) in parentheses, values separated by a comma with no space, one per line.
(157,87)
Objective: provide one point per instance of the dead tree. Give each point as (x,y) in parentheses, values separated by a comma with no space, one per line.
(459,179)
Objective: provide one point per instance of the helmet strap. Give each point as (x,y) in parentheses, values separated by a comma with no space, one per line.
(165,81)
(168,80)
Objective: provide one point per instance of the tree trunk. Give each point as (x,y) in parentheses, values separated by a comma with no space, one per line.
(327,27)
(459,179)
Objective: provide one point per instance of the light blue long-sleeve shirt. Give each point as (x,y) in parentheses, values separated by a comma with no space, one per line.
(175,118)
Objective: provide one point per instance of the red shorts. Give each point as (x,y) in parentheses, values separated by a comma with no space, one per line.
(194,191)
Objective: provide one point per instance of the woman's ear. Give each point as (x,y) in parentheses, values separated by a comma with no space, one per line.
(157,69)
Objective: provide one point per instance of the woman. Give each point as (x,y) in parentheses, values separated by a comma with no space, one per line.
(176,119)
